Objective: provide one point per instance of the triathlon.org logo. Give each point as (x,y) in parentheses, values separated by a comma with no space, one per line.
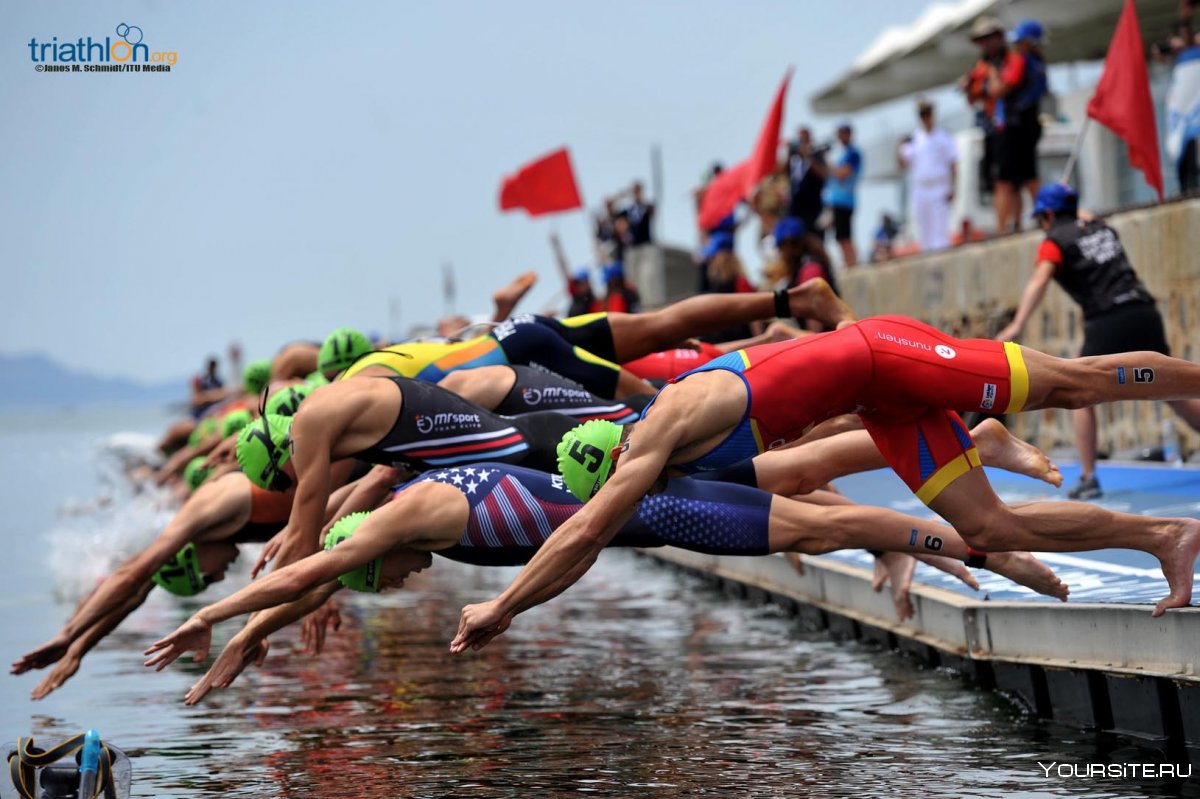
(447,421)
(1125,771)
(87,54)
(536,396)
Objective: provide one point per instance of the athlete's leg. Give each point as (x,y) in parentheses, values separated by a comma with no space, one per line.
(486,386)
(814,530)
(799,470)
(986,523)
(1082,382)
(636,335)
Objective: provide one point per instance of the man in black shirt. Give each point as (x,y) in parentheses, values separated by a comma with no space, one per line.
(806,173)
(640,215)
(1085,257)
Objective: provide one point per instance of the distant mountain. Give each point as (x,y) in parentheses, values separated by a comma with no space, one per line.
(37,381)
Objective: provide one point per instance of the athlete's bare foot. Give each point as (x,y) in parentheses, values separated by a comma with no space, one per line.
(955,568)
(896,568)
(815,299)
(506,299)
(1000,448)
(1024,569)
(796,561)
(1179,564)
(782,331)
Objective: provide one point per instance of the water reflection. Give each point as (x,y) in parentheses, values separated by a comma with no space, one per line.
(640,682)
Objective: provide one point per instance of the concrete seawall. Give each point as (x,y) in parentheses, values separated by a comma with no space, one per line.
(1103,667)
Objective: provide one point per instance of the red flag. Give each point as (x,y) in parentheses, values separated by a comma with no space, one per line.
(1122,99)
(544,186)
(731,186)
(722,194)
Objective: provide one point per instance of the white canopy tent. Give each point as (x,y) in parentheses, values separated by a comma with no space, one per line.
(935,50)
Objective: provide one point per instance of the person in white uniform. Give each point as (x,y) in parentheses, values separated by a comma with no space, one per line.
(931,158)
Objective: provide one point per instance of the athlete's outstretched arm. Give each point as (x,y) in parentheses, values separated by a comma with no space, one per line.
(570,551)
(82,644)
(221,506)
(283,585)
(249,645)
(426,512)
(312,495)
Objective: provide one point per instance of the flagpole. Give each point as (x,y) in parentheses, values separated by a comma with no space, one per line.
(1075,148)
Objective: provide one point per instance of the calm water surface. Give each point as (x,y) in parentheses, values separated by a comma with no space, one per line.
(638,682)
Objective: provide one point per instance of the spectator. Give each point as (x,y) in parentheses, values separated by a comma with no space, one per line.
(804,258)
(840,189)
(1007,88)
(1183,100)
(721,272)
(207,388)
(806,173)
(931,158)
(885,237)
(609,246)
(966,234)
(621,296)
(640,215)
(1085,257)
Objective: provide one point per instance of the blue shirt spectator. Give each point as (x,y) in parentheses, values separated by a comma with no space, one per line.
(839,192)
(842,183)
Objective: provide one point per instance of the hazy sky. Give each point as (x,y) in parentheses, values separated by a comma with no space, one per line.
(306,164)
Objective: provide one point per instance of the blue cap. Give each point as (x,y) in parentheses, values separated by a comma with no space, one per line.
(717,242)
(582,275)
(845,125)
(788,228)
(614,271)
(1056,197)
(1027,29)
(727,223)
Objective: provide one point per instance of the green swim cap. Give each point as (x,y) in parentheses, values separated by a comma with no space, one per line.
(585,456)
(316,379)
(234,421)
(263,448)
(256,375)
(203,429)
(342,347)
(365,578)
(194,473)
(286,401)
(181,575)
